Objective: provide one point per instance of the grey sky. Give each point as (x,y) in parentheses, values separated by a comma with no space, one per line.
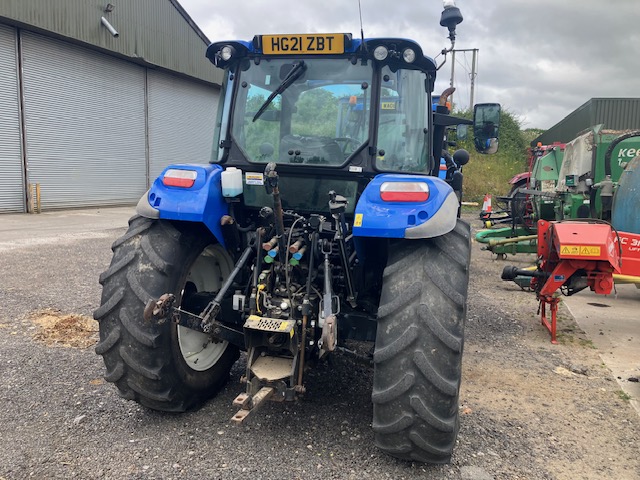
(541,59)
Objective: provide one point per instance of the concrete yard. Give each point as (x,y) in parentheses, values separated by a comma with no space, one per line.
(529,410)
(612,322)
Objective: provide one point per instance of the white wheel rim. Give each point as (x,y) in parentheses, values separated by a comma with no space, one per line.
(207,273)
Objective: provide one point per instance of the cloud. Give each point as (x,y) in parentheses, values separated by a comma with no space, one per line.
(541,59)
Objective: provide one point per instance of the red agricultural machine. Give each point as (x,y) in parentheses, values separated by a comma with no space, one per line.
(574,255)
(580,253)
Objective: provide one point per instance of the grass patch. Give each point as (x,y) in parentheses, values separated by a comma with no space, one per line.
(586,343)
(566,337)
(484,174)
(622,395)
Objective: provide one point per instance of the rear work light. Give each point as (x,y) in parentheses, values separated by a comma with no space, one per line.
(404,191)
(179,178)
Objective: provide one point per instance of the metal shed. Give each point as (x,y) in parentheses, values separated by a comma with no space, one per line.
(96,98)
(614,113)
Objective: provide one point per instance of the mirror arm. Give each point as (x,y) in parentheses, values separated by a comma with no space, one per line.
(444,51)
(442,119)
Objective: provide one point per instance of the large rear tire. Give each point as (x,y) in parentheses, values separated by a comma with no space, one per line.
(419,342)
(159,364)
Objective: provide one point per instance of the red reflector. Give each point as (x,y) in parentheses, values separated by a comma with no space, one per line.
(179,178)
(178,182)
(404,196)
(404,191)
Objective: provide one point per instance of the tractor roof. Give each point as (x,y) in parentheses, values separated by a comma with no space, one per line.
(226,53)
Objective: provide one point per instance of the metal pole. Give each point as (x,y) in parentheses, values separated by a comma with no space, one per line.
(473,76)
(23,122)
(453,66)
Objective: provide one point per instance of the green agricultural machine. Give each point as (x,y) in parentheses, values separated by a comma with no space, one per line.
(571,181)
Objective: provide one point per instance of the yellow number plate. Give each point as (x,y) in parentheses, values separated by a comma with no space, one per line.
(325,44)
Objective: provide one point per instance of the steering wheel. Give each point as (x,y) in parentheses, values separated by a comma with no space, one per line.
(347,141)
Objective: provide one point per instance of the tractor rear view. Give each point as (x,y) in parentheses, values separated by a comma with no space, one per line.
(320,220)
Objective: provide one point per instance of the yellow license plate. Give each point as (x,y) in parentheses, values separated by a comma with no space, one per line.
(316,44)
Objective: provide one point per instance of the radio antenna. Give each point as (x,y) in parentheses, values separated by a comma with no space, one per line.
(364,46)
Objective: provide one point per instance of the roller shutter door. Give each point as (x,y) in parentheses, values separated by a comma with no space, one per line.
(182,116)
(85,124)
(12,189)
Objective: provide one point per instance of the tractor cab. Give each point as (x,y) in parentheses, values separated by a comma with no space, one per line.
(326,102)
(331,112)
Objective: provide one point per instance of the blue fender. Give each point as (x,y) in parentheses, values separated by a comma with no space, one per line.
(202,202)
(433,217)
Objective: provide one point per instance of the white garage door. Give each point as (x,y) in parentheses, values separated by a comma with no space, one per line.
(85,124)
(182,116)
(12,189)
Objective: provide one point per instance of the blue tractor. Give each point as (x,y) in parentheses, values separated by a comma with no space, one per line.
(320,222)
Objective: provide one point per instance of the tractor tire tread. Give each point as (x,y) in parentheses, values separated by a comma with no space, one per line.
(107,306)
(115,373)
(145,337)
(421,334)
(108,342)
(140,356)
(399,344)
(137,225)
(402,300)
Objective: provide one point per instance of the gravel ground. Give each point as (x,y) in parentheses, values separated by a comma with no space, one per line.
(529,410)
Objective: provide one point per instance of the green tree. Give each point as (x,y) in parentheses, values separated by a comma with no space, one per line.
(265,130)
(316,113)
(532,133)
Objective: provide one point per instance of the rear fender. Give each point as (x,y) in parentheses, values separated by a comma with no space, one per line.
(520,178)
(434,217)
(201,203)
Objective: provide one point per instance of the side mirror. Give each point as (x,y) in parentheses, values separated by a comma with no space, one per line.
(462,132)
(486,123)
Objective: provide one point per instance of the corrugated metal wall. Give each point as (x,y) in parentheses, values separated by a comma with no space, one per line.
(85,125)
(94,124)
(614,113)
(12,192)
(182,118)
(158,32)
(617,113)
